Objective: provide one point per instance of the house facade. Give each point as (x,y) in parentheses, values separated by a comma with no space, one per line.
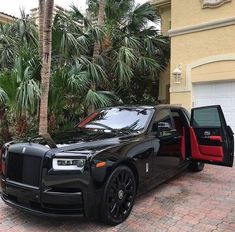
(5,18)
(202,64)
(34,13)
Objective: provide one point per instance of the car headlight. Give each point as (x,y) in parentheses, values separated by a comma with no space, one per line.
(68,164)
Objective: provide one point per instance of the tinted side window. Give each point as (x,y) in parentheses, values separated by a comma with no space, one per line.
(163,123)
(206,117)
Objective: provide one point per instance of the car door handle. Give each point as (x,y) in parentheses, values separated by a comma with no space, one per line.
(178,137)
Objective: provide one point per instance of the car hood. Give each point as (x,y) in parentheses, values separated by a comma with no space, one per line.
(82,140)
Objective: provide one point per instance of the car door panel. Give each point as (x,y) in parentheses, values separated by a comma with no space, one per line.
(167,158)
(211,138)
(142,154)
(214,150)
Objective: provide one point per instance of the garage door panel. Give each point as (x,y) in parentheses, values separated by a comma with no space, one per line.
(225,102)
(224,89)
(204,91)
(217,93)
(203,102)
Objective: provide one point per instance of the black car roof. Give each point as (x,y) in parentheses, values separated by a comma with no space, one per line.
(147,106)
(169,106)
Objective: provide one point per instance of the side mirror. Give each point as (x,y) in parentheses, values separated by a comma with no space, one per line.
(161,126)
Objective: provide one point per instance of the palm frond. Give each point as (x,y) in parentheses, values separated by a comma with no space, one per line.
(76,13)
(96,73)
(127,55)
(149,46)
(77,78)
(132,42)
(140,16)
(96,33)
(147,64)
(123,72)
(99,98)
(28,92)
(115,10)
(3,97)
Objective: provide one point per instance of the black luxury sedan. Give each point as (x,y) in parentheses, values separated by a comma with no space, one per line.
(116,153)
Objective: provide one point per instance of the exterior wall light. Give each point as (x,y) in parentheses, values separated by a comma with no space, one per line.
(177,74)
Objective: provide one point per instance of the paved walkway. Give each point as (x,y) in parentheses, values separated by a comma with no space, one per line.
(196,202)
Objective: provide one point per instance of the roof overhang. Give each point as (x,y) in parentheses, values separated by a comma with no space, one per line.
(160,3)
(6,18)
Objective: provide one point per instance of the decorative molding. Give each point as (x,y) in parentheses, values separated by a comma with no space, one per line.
(213,3)
(207,60)
(178,90)
(202,27)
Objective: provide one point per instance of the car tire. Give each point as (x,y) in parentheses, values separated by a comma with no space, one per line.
(196,166)
(119,196)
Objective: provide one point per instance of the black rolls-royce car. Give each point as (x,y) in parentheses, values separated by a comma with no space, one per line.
(116,153)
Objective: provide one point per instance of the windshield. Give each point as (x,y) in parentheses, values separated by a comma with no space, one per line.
(123,119)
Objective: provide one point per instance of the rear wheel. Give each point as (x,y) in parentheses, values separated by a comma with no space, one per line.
(119,196)
(196,166)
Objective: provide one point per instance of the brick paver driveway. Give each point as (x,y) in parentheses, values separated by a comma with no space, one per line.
(190,202)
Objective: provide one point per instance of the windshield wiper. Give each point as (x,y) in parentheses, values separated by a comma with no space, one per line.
(127,130)
(100,124)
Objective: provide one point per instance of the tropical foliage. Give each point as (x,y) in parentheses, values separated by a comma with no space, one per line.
(125,71)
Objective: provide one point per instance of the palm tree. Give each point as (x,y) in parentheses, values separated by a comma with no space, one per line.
(96,51)
(133,50)
(78,46)
(19,68)
(128,51)
(46,64)
(93,65)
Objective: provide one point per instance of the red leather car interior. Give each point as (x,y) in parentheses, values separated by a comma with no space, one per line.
(204,152)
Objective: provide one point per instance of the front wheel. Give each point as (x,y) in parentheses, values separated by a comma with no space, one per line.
(196,166)
(119,195)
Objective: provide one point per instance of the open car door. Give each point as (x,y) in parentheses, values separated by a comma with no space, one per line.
(211,139)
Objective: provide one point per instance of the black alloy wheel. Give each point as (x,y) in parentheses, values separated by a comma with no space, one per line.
(119,196)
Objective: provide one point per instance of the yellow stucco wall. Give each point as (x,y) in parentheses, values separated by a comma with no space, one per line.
(164,84)
(216,71)
(194,46)
(190,12)
(164,80)
(165,19)
(181,99)
(189,48)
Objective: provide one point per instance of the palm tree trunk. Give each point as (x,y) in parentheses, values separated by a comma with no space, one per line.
(46,66)
(41,12)
(96,51)
(100,23)
(4,126)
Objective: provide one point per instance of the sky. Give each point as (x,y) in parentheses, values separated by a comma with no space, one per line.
(12,6)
